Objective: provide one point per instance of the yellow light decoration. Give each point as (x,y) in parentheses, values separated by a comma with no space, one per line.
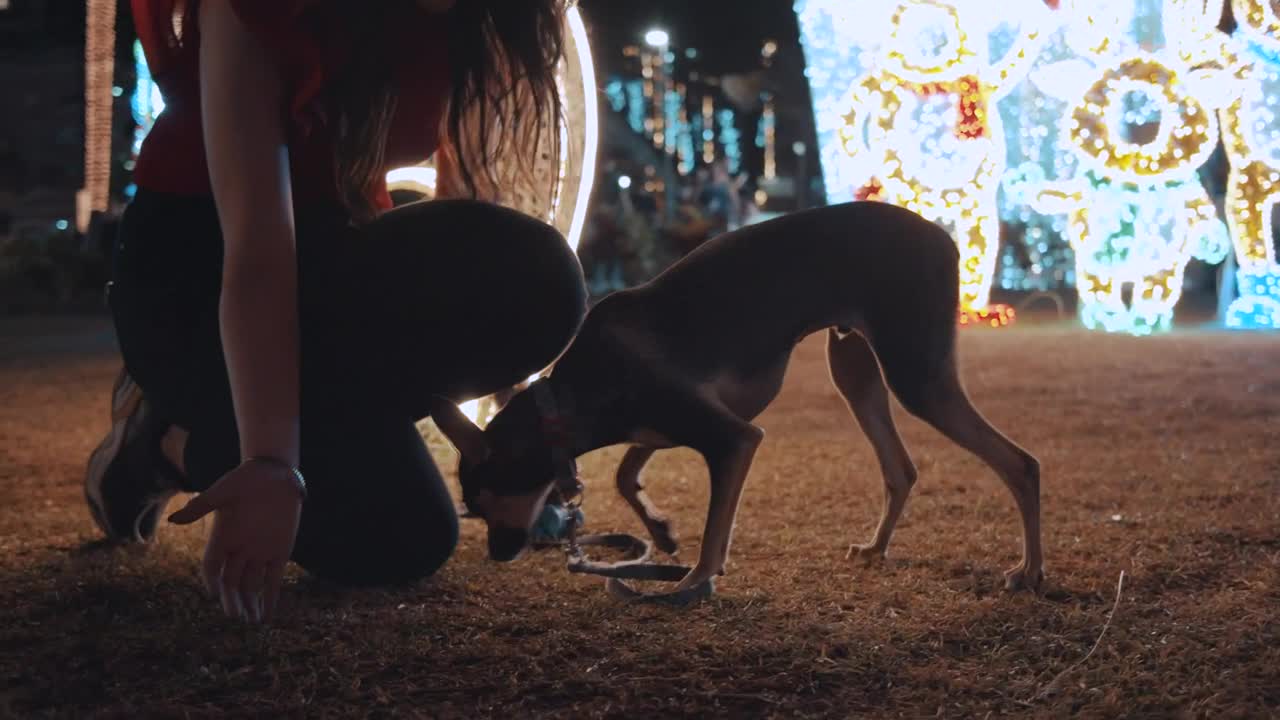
(1137,213)
(708,132)
(998,317)
(770,141)
(99,73)
(920,132)
(1096,120)
(1251,135)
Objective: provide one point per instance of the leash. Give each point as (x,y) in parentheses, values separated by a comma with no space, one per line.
(637,552)
(635,565)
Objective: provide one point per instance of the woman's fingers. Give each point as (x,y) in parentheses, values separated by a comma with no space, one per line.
(271,588)
(218,496)
(215,557)
(232,574)
(251,584)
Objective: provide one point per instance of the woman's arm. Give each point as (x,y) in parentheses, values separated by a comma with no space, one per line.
(257,506)
(248,161)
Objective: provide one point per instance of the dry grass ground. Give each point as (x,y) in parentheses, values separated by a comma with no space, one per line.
(1161,459)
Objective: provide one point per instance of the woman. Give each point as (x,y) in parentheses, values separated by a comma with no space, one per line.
(275,319)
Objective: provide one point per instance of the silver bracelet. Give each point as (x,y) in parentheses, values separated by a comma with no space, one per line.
(294,472)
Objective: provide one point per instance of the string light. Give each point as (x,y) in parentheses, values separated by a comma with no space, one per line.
(674,104)
(1037,256)
(907,119)
(730,139)
(685,151)
(1251,135)
(99,70)
(1136,212)
(769,131)
(998,317)
(146,103)
(637,115)
(708,129)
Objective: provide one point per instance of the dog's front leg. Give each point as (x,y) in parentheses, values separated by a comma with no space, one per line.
(632,490)
(729,464)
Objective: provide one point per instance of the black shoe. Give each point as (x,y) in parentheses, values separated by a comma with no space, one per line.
(128,483)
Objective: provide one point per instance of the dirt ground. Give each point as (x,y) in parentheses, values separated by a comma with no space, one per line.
(1161,460)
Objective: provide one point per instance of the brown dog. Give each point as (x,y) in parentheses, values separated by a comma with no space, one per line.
(691,358)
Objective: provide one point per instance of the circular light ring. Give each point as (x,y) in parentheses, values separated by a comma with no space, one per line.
(922,70)
(1188,131)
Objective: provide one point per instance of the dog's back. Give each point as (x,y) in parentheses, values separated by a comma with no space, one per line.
(748,296)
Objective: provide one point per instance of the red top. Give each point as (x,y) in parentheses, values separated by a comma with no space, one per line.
(298,33)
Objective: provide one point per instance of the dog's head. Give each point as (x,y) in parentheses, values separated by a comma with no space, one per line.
(507,470)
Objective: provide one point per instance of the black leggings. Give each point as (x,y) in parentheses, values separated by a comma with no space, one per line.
(458,299)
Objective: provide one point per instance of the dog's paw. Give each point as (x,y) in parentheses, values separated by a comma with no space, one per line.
(868,555)
(664,536)
(1017,579)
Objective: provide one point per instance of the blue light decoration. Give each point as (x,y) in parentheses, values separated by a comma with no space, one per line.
(146,102)
(1251,134)
(1037,256)
(615,92)
(730,139)
(1140,124)
(686,145)
(637,106)
(673,104)
(834,63)
(903,92)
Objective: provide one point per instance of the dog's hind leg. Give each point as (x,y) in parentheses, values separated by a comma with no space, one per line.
(631,488)
(941,401)
(856,374)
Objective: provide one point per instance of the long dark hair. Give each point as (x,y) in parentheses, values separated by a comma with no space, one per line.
(503,54)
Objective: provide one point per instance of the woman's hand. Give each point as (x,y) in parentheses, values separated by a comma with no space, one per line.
(256,511)
(257,505)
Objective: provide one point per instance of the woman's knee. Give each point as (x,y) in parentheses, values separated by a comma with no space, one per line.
(379,511)
(382,559)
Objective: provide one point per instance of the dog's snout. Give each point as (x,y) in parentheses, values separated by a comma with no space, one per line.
(506,543)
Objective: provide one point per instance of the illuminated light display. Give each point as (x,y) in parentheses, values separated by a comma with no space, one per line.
(1037,256)
(1251,134)
(768,140)
(998,317)
(903,97)
(146,103)
(730,139)
(686,154)
(1136,212)
(99,71)
(708,130)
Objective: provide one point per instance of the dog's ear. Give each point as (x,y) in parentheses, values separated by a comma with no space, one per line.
(465,435)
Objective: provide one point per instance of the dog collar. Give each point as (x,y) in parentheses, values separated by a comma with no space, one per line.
(559,435)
